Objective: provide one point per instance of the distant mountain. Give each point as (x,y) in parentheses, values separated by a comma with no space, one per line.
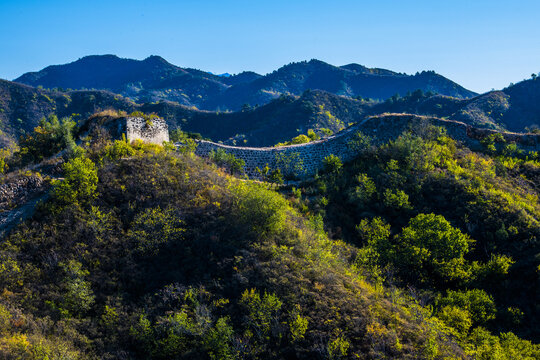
(150,79)
(155,79)
(278,121)
(514,109)
(351,80)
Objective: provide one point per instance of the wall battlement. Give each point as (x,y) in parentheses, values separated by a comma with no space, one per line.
(304,160)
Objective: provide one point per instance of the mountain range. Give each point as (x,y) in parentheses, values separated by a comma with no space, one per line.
(285,104)
(415,238)
(154,79)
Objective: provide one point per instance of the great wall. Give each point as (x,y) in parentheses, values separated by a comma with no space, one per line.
(304,160)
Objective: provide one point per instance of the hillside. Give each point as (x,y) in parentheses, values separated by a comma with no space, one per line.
(278,121)
(21,108)
(155,79)
(416,249)
(514,108)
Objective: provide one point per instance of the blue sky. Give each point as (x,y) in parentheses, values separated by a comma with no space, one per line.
(480,44)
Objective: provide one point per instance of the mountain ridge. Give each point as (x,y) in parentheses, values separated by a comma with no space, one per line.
(154,79)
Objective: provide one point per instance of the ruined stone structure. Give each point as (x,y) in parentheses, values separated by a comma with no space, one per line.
(153,131)
(304,160)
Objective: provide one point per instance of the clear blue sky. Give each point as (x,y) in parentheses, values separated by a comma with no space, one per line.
(481,44)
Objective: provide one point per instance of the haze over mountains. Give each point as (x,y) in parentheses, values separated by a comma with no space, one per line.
(155,79)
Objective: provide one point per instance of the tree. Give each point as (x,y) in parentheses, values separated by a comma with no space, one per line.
(313,135)
(430,249)
(227,160)
(78,296)
(477,302)
(262,311)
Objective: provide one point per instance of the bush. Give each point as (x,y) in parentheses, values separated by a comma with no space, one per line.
(79,184)
(332,164)
(47,139)
(153,228)
(262,312)
(227,160)
(477,302)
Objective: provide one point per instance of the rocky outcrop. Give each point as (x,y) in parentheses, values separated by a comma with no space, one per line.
(19,196)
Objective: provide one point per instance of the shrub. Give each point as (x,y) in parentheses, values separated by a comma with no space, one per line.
(262,311)
(332,164)
(227,160)
(477,302)
(79,184)
(153,228)
(47,139)
(78,296)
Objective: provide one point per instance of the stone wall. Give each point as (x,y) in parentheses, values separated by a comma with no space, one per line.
(304,160)
(300,160)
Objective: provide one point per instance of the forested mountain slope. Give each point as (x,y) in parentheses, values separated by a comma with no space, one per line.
(515,108)
(416,249)
(154,79)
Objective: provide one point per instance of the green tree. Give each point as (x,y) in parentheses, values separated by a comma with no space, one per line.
(48,138)
(430,249)
(227,160)
(300,139)
(313,135)
(396,199)
(477,302)
(262,311)
(363,193)
(217,341)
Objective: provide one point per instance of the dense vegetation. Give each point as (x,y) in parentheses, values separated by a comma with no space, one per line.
(460,227)
(418,249)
